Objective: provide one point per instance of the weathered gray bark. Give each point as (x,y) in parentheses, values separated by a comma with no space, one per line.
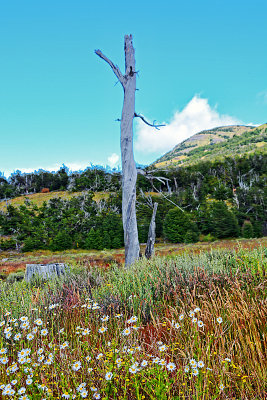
(151,234)
(129,174)
(45,271)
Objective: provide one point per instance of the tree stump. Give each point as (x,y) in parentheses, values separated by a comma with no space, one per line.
(45,271)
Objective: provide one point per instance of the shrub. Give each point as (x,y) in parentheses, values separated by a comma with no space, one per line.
(45,190)
(223,223)
(208,238)
(175,226)
(62,241)
(32,243)
(9,244)
(247,230)
(191,236)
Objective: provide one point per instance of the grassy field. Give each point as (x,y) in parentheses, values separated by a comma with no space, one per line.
(187,325)
(39,198)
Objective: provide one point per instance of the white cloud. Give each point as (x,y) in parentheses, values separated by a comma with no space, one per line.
(263,96)
(195,117)
(113,160)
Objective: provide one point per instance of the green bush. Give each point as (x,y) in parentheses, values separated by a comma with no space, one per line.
(62,241)
(208,238)
(9,244)
(191,236)
(247,230)
(32,243)
(15,276)
(223,223)
(175,226)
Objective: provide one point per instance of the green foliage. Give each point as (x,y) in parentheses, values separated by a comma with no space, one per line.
(223,223)
(176,225)
(32,243)
(62,241)
(247,230)
(8,244)
(208,238)
(192,235)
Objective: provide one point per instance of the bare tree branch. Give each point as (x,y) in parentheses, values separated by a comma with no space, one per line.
(146,122)
(114,68)
(160,179)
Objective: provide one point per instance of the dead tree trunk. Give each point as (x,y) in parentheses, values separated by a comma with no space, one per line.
(129,174)
(151,234)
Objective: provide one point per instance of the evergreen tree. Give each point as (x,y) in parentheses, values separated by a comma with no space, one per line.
(247,230)
(89,242)
(175,226)
(62,241)
(223,223)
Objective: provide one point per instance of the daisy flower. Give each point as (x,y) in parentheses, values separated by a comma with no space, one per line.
(221,386)
(163,347)
(186,369)
(108,376)
(171,366)
(76,366)
(144,363)
(102,329)
(44,332)
(200,364)
(219,320)
(84,393)
(133,369)
(191,314)
(105,318)
(38,322)
(131,320)
(25,325)
(30,336)
(195,371)
(200,324)
(126,332)
(22,390)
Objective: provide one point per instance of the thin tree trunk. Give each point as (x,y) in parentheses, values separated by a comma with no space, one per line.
(151,234)
(129,173)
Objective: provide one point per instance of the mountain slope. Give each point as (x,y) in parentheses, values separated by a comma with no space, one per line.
(215,144)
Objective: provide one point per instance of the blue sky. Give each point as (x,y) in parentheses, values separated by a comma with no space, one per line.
(202,64)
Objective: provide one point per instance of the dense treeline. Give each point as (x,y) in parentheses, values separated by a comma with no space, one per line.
(94,178)
(62,224)
(218,199)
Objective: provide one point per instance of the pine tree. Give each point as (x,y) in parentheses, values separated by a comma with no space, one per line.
(175,226)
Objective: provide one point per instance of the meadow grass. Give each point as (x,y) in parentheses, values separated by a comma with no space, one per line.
(189,326)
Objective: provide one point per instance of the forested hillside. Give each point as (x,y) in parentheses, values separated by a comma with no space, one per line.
(217,143)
